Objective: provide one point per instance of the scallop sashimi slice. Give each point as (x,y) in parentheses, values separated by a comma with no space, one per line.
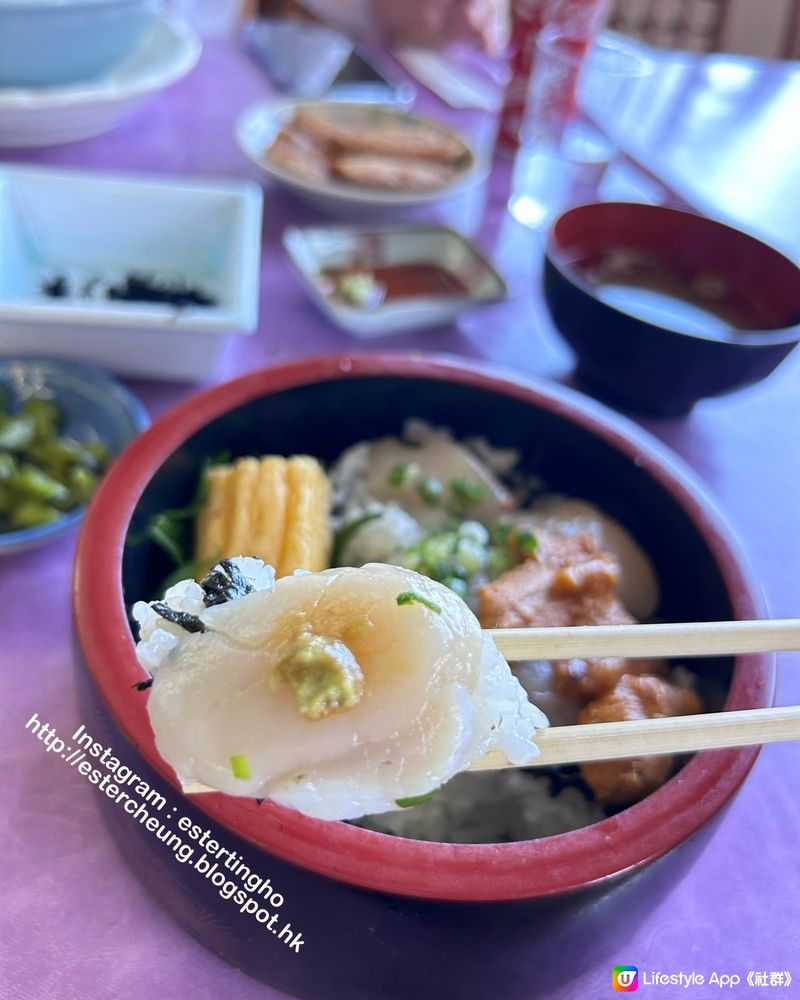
(247,706)
(441,459)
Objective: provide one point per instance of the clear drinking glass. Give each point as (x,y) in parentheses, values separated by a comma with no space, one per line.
(564,153)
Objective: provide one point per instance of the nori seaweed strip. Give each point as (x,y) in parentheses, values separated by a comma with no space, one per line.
(225,583)
(191,623)
(144,288)
(143,685)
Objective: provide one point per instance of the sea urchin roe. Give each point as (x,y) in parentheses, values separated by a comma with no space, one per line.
(324,673)
(567,581)
(619,782)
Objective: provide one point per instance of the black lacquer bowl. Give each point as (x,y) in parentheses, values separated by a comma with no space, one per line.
(384,917)
(661,368)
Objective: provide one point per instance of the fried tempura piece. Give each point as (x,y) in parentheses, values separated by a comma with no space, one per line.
(413,140)
(567,581)
(405,139)
(618,782)
(307,537)
(274,508)
(392,173)
(298,152)
(326,128)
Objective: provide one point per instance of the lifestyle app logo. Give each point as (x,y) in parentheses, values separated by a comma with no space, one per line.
(625,978)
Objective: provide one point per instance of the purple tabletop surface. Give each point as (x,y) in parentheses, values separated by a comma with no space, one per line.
(75,922)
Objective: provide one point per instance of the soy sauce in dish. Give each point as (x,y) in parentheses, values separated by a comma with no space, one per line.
(370,286)
(703,303)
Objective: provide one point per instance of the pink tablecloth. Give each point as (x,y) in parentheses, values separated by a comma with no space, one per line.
(75,923)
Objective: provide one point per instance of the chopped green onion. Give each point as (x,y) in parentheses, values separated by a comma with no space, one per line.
(526,541)
(466,492)
(401,474)
(501,532)
(430,490)
(397,476)
(240,766)
(500,560)
(409,597)
(415,800)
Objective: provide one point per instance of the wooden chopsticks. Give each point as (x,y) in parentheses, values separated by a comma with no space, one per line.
(647,737)
(644,738)
(650,737)
(670,640)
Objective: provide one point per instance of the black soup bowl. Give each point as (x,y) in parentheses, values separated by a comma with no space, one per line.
(664,308)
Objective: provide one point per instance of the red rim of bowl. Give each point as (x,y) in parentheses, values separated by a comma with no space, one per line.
(456,872)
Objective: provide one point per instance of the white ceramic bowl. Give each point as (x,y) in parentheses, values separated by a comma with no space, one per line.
(87,225)
(47,116)
(46,43)
(260,124)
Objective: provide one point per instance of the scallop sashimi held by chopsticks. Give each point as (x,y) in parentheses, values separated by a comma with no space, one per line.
(340,694)
(350,691)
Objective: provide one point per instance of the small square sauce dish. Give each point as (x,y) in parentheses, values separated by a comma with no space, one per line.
(148,277)
(376,282)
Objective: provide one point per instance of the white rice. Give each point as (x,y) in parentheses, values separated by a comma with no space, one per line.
(158,637)
(490,807)
(383,539)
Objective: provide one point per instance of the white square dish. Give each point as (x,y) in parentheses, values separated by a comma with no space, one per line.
(316,250)
(204,234)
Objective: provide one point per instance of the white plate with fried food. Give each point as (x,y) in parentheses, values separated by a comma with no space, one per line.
(339,156)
